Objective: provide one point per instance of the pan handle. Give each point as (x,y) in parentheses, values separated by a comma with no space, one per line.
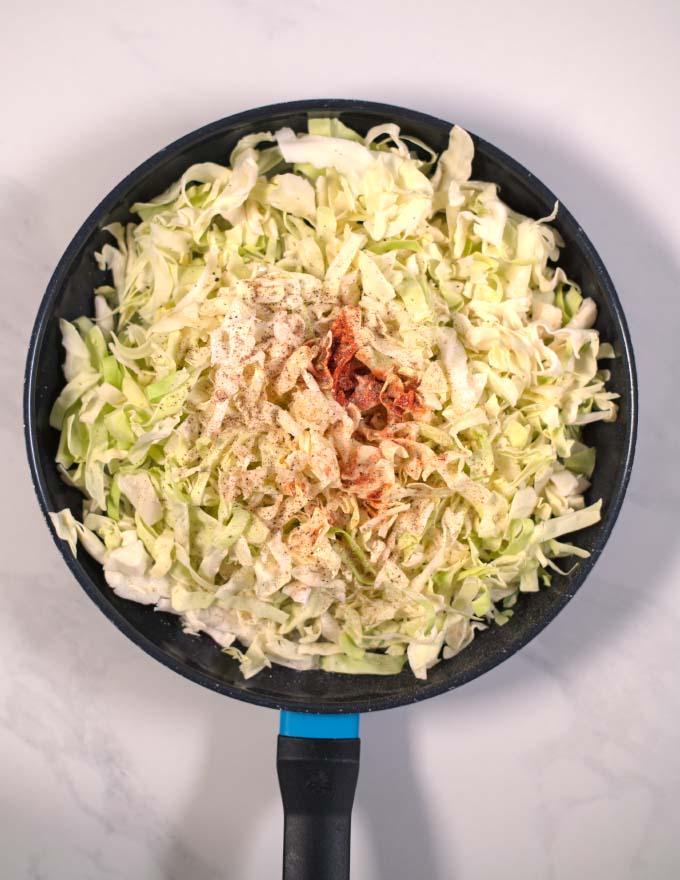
(318,766)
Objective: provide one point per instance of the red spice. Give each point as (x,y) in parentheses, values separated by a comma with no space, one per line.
(376,497)
(366,394)
(338,369)
(363,479)
(344,344)
(399,397)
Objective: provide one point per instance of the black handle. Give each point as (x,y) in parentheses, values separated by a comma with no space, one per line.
(318,778)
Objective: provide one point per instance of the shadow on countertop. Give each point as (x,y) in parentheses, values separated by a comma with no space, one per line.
(238,778)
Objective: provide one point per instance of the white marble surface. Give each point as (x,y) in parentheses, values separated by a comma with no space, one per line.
(562,763)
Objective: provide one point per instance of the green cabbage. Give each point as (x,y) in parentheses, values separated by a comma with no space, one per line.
(227,476)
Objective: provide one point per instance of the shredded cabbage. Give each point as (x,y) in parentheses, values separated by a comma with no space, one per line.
(329,409)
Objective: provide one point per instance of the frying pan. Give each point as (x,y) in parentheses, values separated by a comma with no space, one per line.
(318,752)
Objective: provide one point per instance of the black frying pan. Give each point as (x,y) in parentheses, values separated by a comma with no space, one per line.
(319,750)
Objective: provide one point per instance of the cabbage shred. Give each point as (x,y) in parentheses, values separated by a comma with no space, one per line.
(329,408)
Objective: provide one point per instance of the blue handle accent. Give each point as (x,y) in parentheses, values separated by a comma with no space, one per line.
(309,726)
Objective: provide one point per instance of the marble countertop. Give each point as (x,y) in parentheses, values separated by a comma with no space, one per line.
(564,761)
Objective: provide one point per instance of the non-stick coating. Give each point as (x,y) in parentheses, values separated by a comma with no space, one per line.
(69,294)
